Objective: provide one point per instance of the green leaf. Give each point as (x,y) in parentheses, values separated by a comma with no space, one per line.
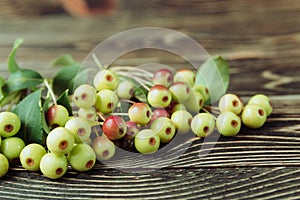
(30,113)
(123,108)
(63,100)
(64,79)
(2,93)
(22,79)
(2,81)
(214,74)
(64,60)
(8,98)
(11,62)
(45,105)
(140,93)
(83,77)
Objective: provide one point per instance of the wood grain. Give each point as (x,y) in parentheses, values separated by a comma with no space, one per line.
(260,40)
(192,183)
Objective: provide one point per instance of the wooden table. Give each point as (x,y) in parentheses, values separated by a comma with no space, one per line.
(261,42)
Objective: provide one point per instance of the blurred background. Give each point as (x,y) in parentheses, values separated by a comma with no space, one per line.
(31,8)
(256,33)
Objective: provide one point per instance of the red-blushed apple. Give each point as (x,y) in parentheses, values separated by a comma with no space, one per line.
(57,115)
(163,77)
(140,113)
(180,91)
(159,112)
(185,75)
(114,127)
(132,130)
(159,96)
(104,148)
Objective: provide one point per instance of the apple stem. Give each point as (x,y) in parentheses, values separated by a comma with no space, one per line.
(97,61)
(101,116)
(130,68)
(142,82)
(133,74)
(207,111)
(50,91)
(96,132)
(213,109)
(127,100)
(144,85)
(120,114)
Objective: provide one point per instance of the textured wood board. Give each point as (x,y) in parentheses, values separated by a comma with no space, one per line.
(261,41)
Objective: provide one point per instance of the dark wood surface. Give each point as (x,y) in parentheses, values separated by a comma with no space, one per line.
(261,41)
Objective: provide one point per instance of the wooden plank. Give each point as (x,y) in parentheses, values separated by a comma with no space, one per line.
(194,183)
(248,76)
(260,39)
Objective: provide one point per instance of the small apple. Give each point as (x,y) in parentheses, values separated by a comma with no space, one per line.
(106,101)
(159,96)
(165,129)
(147,141)
(140,113)
(180,91)
(114,127)
(159,112)
(132,130)
(104,148)
(182,120)
(60,141)
(105,79)
(163,77)
(57,115)
(185,75)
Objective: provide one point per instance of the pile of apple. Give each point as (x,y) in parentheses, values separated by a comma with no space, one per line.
(120,106)
(173,104)
(144,109)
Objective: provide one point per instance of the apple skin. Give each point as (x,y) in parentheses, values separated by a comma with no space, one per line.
(159,112)
(114,127)
(57,115)
(180,91)
(164,77)
(146,141)
(140,113)
(104,148)
(105,79)
(254,116)
(228,123)
(83,153)
(185,75)
(106,101)
(159,96)
(182,120)
(10,124)
(164,128)
(132,130)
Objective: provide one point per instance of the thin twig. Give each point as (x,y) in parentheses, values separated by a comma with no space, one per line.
(142,83)
(127,101)
(50,91)
(212,109)
(130,68)
(126,74)
(97,61)
(101,116)
(96,132)
(119,114)
(207,111)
